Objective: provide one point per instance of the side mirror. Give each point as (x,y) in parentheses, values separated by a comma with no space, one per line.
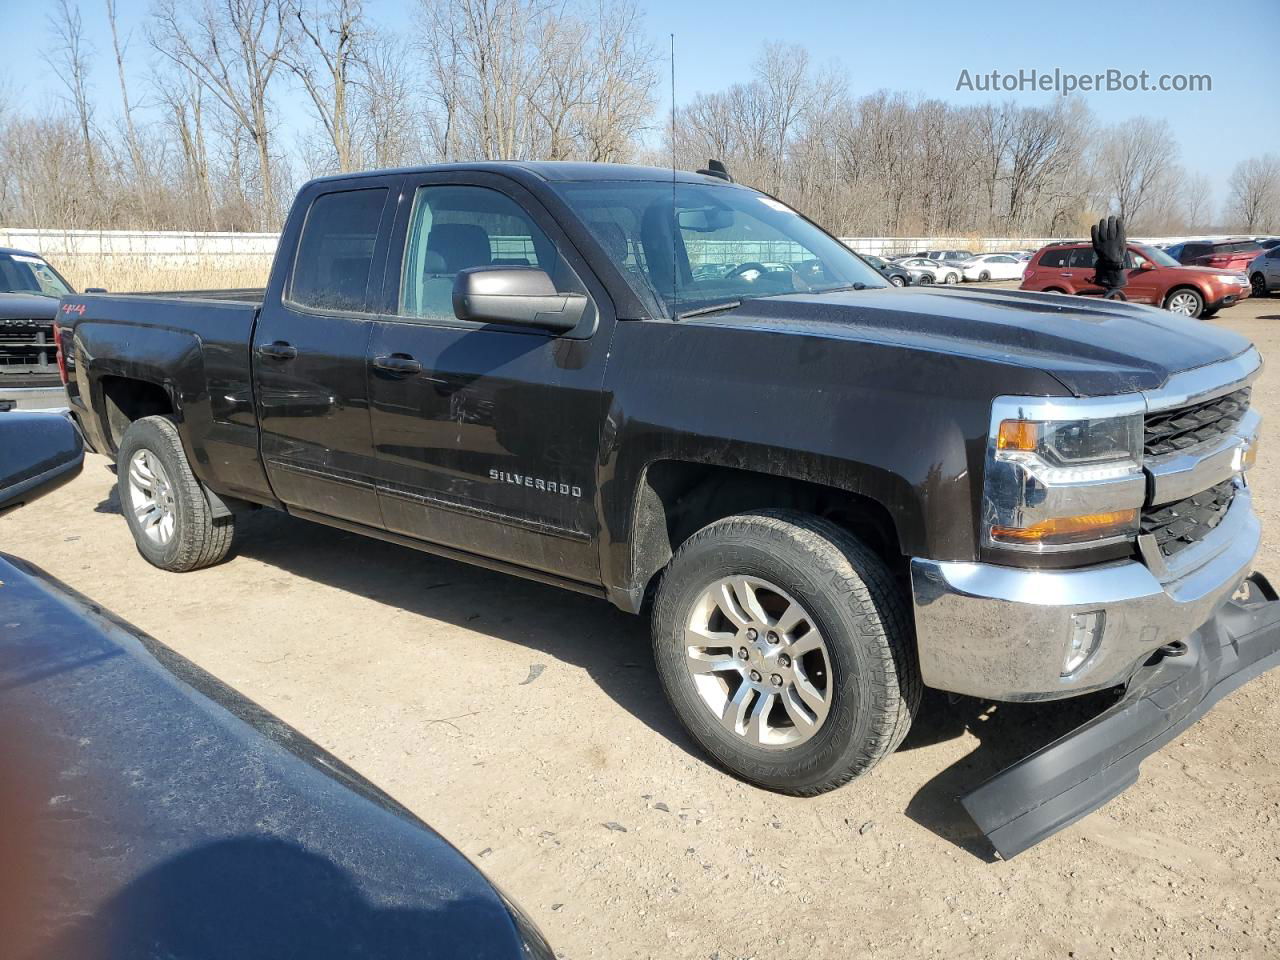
(522,296)
(95,289)
(39,452)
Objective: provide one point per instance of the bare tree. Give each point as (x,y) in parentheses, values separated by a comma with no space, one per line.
(69,59)
(1196,202)
(1253,199)
(233,48)
(1135,161)
(325,59)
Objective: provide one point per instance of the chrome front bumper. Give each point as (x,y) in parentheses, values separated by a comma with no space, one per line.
(1003,633)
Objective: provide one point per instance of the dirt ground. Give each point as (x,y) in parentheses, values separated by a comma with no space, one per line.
(527,726)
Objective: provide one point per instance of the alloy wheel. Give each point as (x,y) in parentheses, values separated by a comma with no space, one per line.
(758,662)
(1184,303)
(151,497)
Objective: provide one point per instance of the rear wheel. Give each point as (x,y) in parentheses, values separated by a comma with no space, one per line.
(925,280)
(1259,283)
(984,275)
(785,648)
(168,514)
(1185,302)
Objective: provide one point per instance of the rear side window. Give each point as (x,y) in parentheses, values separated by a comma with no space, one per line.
(1193,250)
(1055,258)
(1083,258)
(335,252)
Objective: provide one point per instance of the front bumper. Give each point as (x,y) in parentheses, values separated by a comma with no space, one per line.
(1003,633)
(1059,784)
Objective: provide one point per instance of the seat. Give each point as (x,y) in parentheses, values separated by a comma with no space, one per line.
(460,245)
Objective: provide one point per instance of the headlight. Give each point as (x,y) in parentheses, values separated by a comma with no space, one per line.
(1063,474)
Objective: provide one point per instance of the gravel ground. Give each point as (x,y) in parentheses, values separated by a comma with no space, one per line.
(526,724)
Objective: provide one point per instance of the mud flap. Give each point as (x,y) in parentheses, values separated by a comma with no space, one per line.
(1078,773)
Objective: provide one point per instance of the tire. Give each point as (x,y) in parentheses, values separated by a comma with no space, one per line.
(897,281)
(925,280)
(952,278)
(984,276)
(1208,314)
(151,463)
(1185,302)
(1259,284)
(866,661)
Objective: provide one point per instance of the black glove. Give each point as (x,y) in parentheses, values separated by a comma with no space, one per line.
(1109,245)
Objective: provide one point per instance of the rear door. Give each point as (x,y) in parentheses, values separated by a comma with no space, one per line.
(309,351)
(487,436)
(1080,270)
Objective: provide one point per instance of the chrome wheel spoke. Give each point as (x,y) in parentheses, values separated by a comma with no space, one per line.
(796,710)
(700,662)
(734,717)
(810,642)
(810,695)
(791,618)
(151,497)
(757,729)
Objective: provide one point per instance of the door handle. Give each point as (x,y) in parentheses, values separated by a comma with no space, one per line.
(1067,275)
(278,350)
(400,363)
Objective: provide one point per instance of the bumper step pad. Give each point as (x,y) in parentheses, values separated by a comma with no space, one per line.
(1078,773)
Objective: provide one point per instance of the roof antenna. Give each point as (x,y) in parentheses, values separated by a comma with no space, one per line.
(675,220)
(716,168)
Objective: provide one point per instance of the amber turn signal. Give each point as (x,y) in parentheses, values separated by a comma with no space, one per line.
(1018,435)
(1090,526)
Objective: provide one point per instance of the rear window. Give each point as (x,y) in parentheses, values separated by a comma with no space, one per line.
(1056,257)
(335,251)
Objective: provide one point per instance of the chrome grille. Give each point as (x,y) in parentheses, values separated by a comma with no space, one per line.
(1176,526)
(1168,431)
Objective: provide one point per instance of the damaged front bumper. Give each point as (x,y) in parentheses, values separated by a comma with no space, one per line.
(1078,773)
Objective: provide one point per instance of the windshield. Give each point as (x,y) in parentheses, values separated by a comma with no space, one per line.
(1157,256)
(23,273)
(731,243)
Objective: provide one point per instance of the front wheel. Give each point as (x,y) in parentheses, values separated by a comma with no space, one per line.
(166,509)
(1259,284)
(897,281)
(785,648)
(925,280)
(1185,302)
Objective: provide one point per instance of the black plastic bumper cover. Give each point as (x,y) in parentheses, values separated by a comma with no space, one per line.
(1078,773)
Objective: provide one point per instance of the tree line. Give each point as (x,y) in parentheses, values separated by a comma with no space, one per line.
(197,144)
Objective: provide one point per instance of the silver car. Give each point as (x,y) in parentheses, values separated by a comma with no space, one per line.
(1264,272)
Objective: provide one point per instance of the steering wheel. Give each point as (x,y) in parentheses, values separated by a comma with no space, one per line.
(742,268)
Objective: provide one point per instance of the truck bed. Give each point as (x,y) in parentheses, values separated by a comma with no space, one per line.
(252,295)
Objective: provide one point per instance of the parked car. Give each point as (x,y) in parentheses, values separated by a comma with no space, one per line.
(29,291)
(1222,254)
(1154,278)
(941,272)
(993,266)
(896,274)
(1264,272)
(954,256)
(828,496)
(177,819)
(1267,243)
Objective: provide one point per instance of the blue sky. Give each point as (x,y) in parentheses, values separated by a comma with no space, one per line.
(920,47)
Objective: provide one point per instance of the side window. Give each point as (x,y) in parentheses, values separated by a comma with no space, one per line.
(1083,258)
(1274,253)
(335,251)
(1193,250)
(452,228)
(1054,258)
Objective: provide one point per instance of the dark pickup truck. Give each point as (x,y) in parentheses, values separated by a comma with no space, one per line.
(676,393)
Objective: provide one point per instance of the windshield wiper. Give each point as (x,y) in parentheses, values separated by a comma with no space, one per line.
(710,308)
(840,287)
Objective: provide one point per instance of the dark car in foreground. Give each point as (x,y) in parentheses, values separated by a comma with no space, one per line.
(1154,277)
(147,810)
(826,492)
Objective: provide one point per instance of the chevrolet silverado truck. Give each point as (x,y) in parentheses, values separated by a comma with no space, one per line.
(675,393)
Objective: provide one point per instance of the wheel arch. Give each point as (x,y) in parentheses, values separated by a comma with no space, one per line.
(677,498)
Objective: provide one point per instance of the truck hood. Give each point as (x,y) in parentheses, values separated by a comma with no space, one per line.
(27,306)
(1093,347)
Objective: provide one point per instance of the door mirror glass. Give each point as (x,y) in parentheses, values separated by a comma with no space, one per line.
(38,453)
(524,296)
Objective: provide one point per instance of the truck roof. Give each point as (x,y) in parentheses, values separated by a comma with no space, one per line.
(559,170)
(4,251)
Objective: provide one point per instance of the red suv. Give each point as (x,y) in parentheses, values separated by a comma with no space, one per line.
(1154,277)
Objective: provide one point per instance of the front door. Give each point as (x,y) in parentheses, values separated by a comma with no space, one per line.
(487,436)
(309,350)
(1145,278)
